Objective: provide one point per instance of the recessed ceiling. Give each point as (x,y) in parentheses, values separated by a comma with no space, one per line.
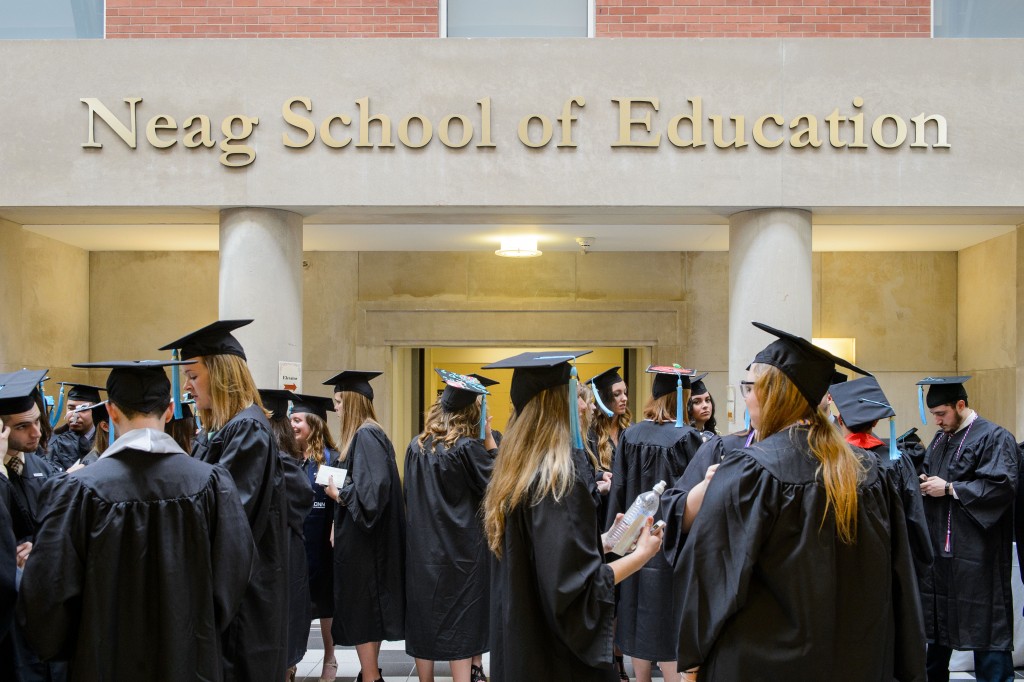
(481,228)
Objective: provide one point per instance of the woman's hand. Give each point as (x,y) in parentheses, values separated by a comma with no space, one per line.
(604,483)
(648,544)
(604,536)
(489,442)
(332,490)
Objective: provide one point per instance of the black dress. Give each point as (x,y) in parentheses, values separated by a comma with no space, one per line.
(647,453)
(552,595)
(139,565)
(771,593)
(447,559)
(317,532)
(369,544)
(300,501)
(254,646)
(966,595)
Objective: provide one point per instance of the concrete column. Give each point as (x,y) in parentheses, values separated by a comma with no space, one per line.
(261,278)
(769,281)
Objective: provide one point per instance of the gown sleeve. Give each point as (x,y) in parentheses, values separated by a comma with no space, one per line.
(909,491)
(231,548)
(368,491)
(986,497)
(478,463)
(909,663)
(50,599)
(717,561)
(247,453)
(673,500)
(8,566)
(576,588)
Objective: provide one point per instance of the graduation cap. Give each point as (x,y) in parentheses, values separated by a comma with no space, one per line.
(276,400)
(461,391)
(862,402)
(18,390)
(82,391)
(98,410)
(354,380)
(312,404)
(213,339)
(484,381)
(602,383)
(809,367)
(697,386)
(941,391)
(668,378)
(139,385)
(537,371)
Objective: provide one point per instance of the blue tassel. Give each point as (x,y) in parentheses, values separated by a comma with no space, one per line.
(483,417)
(574,413)
(679,401)
(920,404)
(746,419)
(61,402)
(113,435)
(176,385)
(894,452)
(600,403)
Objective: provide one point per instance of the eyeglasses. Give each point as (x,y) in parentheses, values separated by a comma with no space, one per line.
(746,387)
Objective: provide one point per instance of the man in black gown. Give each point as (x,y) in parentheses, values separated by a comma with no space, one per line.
(968,483)
(73,444)
(142,558)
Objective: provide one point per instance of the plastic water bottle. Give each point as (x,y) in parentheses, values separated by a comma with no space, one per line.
(627,529)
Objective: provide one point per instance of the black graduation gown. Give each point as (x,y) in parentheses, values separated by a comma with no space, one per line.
(300,501)
(602,501)
(25,494)
(254,646)
(673,500)
(139,565)
(65,449)
(904,477)
(317,534)
(552,595)
(447,576)
(8,590)
(772,594)
(966,595)
(647,453)
(369,544)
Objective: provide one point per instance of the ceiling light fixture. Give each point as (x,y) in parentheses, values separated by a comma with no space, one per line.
(519,247)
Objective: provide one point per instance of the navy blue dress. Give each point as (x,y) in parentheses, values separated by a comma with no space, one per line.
(317,532)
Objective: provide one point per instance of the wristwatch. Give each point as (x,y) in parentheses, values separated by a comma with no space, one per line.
(948,484)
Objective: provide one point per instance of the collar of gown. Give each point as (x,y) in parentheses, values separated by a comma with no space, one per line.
(147,440)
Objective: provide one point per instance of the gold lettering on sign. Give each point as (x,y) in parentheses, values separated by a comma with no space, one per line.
(161,123)
(364,125)
(807,136)
(566,120)
(301,122)
(878,131)
(325,131)
(230,150)
(97,108)
(720,141)
(203,134)
(485,123)
(626,122)
(696,121)
(940,131)
(444,131)
(426,131)
(760,138)
(545,130)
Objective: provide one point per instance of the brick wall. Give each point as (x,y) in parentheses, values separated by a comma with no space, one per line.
(271,18)
(763,18)
(615,18)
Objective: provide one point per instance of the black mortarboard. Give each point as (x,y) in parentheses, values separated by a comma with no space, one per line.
(697,386)
(186,412)
(276,400)
(17,392)
(213,339)
(605,380)
(669,379)
(460,390)
(861,401)
(944,390)
(809,367)
(83,392)
(536,371)
(484,381)
(140,385)
(98,410)
(838,378)
(666,378)
(353,380)
(312,404)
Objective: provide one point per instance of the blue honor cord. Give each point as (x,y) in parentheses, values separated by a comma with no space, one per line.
(574,413)
(176,385)
(483,417)
(920,404)
(600,403)
(894,452)
(679,401)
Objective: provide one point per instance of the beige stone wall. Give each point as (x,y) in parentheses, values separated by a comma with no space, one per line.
(44,286)
(901,309)
(360,306)
(986,304)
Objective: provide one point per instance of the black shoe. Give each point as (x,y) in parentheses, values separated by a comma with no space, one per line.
(476,674)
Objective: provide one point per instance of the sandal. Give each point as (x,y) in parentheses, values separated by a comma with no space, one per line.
(476,674)
(291,673)
(622,668)
(330,678)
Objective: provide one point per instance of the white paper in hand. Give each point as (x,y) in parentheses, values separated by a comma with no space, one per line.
(325,472)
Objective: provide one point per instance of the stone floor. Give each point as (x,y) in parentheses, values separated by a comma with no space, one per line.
(398,667)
